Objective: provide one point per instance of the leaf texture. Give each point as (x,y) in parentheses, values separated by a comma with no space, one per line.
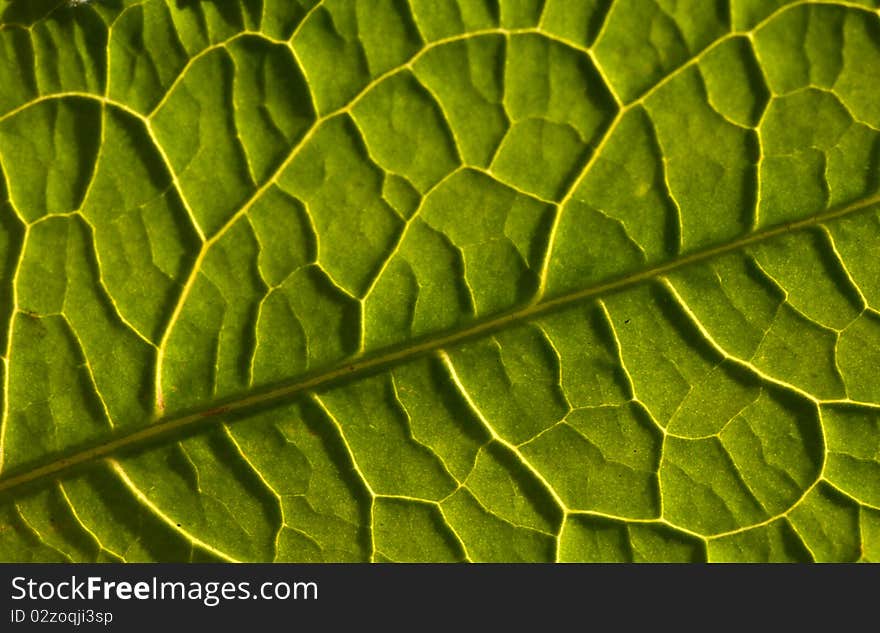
(441,280)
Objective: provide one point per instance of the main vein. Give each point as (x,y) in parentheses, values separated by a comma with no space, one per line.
(175,425)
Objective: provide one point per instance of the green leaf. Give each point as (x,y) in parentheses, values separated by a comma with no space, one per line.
(485,280)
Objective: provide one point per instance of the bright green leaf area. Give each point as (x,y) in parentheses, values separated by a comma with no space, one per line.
(440,280)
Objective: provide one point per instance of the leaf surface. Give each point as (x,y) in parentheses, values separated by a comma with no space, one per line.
(440,280)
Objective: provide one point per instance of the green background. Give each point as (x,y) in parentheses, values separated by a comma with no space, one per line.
(440,280)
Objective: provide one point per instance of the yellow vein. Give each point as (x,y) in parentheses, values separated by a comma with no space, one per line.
(4,415)
(262,189)
(85,528)
(463,392)
(159,514)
